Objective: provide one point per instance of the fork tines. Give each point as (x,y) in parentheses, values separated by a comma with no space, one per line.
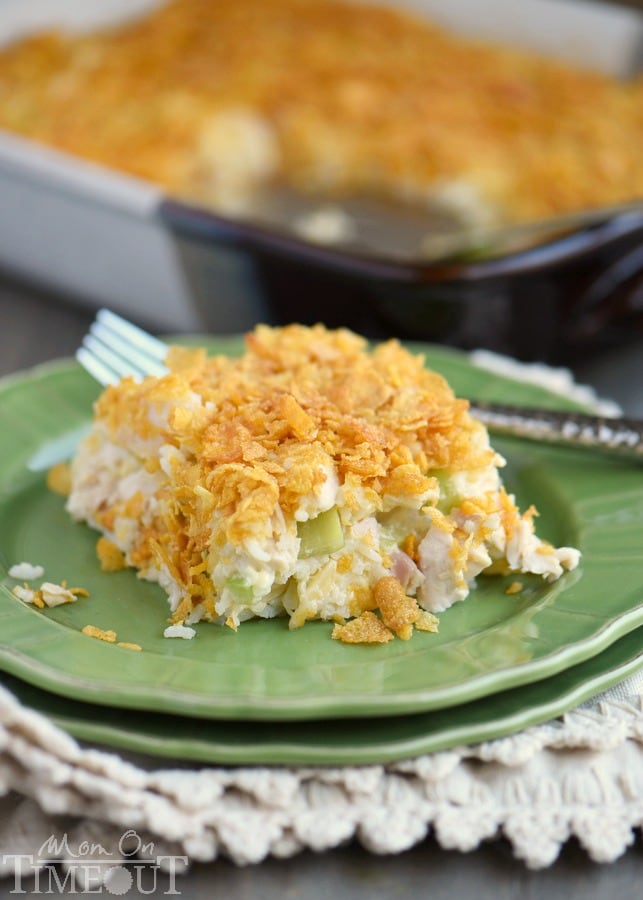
(114,348)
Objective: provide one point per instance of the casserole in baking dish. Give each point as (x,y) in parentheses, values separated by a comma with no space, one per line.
(249,111)
(332,98)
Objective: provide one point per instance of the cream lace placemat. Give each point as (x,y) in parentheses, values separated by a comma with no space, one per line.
(580,775)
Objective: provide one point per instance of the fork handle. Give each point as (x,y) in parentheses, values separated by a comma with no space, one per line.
(617,436)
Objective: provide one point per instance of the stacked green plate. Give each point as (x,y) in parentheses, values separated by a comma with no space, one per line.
(267,695)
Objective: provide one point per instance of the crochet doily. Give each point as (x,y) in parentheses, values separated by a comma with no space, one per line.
(580,775)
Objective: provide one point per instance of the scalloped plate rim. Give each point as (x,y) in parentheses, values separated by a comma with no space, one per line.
(357,745)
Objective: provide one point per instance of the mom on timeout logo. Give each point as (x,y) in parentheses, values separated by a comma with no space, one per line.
(131,867)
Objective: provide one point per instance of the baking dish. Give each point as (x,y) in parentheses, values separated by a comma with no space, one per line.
(107,238)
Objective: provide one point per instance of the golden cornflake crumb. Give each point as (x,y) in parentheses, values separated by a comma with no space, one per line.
(398,611)
(59,479)
(410,546)
(426,621)
(405,633)
(367,628)
(99,633)
(514,588)
(110,557)
(127,646)
(182,611)
(182,359)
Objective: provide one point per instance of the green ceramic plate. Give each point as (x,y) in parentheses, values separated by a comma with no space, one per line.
(339,741)
(490,643)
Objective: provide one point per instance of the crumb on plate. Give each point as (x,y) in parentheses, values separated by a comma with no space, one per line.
(179,631)
(367,628)
(59,479)
(48,594)
(99,633)
(26,571)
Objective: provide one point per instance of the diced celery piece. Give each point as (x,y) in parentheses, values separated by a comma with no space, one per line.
(239,586)
(448,495)
(321,535)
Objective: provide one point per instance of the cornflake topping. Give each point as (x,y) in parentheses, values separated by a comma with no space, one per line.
(267,424)
(312,476)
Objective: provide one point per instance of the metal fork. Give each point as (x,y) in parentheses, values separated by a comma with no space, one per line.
(115,347)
